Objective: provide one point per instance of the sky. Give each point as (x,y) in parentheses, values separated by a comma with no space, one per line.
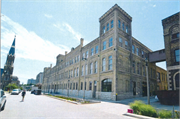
(46,28)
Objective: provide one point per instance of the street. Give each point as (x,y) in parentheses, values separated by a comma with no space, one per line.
(43,107)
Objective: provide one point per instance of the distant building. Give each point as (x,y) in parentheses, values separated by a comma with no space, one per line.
(39,78)
(31,81)
(7,72)
(15,80)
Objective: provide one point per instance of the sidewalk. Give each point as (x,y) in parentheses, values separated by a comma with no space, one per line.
(155,103)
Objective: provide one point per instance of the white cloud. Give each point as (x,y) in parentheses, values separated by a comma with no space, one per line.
(154,5)
(48,16)
(28,44)
(64,27)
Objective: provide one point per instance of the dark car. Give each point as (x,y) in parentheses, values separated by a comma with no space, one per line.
(33,91)
(2,100)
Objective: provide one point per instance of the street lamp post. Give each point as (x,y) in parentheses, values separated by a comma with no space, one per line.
(147,81)
(84,77)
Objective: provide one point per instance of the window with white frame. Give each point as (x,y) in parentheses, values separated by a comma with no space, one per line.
(103,64)
(83,55)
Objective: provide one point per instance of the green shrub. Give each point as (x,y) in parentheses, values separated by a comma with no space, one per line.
(136,106)
(177,114)
(148,110)
(165,114)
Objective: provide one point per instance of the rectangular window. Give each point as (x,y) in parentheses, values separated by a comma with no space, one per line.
(137,51)
(126,28)
(82,72)
(107,27)
(91,68)
(81,85)
(83,55)
(134,68)
(76,85)
(112,24)
(77,72)
(73,86)
(86,70)
(92,51)
(104,45)
(103,64)
(138,68)
(110,42)
(120,41)
(86,54)
(96,51)
(74,72)
(133,49)
(90,85)
(119,23)
(177,55)
(123,26)
(85,86)
(126,45)
(110,63)
(142,54)
(104,29)
(95,67)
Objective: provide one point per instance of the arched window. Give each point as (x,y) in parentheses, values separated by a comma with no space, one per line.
(107,85)
(103,64)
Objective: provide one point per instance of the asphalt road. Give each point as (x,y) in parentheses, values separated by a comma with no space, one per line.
(43,107)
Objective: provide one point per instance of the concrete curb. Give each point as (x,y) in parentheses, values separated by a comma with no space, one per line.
(138,116)
(64,100)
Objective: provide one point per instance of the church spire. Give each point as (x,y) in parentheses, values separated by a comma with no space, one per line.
(12,49)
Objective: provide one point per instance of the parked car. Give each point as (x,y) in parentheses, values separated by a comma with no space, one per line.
(15,91)
(2,100)
(33,91)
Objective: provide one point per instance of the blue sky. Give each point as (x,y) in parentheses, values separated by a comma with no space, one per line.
(47,28)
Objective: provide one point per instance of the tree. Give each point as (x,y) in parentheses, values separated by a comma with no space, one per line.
(11,86)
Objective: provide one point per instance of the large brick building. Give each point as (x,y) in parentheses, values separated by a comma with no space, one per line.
(171,41)
(111,67)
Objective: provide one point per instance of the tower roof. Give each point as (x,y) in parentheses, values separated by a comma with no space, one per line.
(12,49)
